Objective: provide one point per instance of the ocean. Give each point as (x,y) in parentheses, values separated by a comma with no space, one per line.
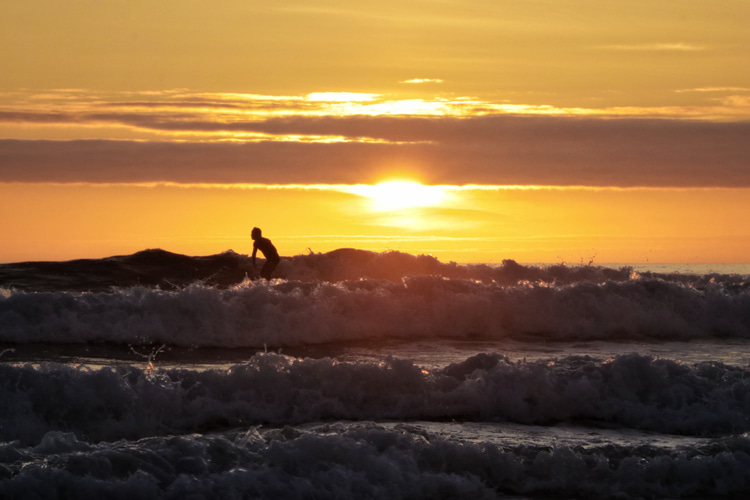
(356,374)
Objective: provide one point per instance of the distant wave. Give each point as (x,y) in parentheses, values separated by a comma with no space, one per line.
(170,271)
(379,300)
(148,268)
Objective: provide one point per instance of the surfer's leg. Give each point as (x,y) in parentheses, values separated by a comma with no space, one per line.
(268,268)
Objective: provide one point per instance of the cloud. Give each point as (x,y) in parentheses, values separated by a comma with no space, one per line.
(341,96)
(332,138)
(422,80)
(715,89)
(655,47)
(498,150)
(181,115)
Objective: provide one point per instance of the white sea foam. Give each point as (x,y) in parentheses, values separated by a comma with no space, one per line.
(308,312)
(631,391)
(348,460)
(167,434)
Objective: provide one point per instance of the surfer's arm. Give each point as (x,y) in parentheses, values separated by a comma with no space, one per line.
(255,251)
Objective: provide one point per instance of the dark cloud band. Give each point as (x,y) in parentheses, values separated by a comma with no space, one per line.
(447,150)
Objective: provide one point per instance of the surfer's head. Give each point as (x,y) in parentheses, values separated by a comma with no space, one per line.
(256,233)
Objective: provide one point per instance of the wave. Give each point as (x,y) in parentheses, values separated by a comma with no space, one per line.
(368,460)
(277,426)
(282,427)
(293,313)
(350,294)
(148,268)
(125,402)
(171,271)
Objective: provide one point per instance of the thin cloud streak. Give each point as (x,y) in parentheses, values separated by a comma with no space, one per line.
(357,189)
(228,107)
(422,80)
(714,89)
(655,47)
(398,122)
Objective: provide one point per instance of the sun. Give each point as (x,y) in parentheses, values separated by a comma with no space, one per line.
(400,195)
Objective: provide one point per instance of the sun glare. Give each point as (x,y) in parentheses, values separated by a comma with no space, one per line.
(398,195)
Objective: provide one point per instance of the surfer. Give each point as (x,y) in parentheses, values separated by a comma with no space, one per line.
(267,249)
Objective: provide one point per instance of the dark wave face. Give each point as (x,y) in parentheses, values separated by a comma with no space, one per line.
(149,268)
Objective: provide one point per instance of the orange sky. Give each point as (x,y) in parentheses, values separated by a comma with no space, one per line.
(181,125)
(472,224)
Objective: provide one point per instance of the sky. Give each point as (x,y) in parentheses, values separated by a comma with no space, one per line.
(540,131)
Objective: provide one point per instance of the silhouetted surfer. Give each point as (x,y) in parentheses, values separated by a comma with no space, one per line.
(267,249)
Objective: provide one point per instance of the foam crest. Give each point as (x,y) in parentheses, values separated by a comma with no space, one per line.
(285,313)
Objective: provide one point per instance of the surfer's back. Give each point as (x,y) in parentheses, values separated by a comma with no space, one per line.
(266,247)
